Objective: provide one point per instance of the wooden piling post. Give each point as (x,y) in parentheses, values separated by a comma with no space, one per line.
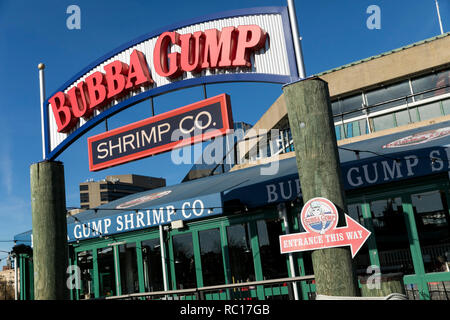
(311,122)
(48,205)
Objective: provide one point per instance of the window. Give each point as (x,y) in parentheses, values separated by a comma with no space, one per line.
(106,272)
(184,261)
(383,122)
(446,106)
(84,262)
(361,260)
(128,268)
(84,187)
(430,110)
(406,116)
(84,197)
(431,85)
(151,258)
(240,252)
(431,213)
(355,128)
(391,236)
(211,256)
(272,261)
(348,107)
(391,92)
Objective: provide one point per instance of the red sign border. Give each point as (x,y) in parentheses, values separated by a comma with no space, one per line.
(227,119)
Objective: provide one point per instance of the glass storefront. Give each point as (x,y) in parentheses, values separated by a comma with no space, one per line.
(152,265)
(85,263)
(128,268)
(106,272)
(246,248)
(272,261)
(240,252)
(184,261)
(211,257)
(391,235)
(432,219)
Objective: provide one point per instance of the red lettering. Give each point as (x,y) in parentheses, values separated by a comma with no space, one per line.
(219,48)
(62,112)
(192,46)
(116,80)
(78,101)
(138,74)
(250,38)
(161,58)
(96,89)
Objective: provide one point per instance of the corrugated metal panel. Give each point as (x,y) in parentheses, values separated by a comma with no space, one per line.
(272,59)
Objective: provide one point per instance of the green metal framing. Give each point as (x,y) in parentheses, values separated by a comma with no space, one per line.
(360,197)
(405,190)
(194,228)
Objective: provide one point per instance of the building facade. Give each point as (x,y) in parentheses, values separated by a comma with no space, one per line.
(391,114)
(96,193)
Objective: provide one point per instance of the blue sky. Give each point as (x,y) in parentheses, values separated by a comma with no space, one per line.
(334,33)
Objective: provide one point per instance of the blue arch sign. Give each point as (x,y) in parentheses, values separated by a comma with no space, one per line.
(242,45)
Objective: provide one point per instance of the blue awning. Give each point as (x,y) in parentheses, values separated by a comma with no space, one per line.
(394,157)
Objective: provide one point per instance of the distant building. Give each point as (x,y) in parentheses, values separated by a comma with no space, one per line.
(96,193)
(202,168)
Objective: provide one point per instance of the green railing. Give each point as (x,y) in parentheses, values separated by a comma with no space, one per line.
(430,286)
(276,289)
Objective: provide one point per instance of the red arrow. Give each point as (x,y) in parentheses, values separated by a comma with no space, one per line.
(353,235)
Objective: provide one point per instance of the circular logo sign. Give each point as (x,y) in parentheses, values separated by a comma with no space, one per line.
(319,215)
(143,199)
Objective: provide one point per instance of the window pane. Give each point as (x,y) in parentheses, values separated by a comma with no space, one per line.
(391,236)
(388,93)
(183,252)
(432,220)
(211,255)
(446,106)
(383,122)
(106,273)
(336,108)
(350,105)
(403,118)
(429,111)
(406,116)
(361,260)
(431,82)
(241,258)
(84,197)
(356,128)
(84,262)
(128,268)
(272,261)
(339,132)
(151,258)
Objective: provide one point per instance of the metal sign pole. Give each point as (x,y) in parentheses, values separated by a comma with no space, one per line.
(163,256)
(439,17)
(41,68)
(283,214)
(296,39)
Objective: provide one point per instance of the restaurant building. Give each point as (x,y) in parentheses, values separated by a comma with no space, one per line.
(392,119)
